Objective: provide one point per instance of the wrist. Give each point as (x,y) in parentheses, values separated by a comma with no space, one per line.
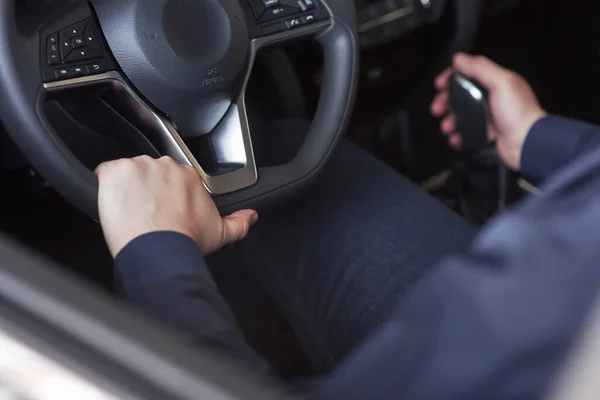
(116,247)
(528,123)
(532,119)
(117,241)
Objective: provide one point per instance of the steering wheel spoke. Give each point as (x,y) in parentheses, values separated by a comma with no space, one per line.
(231,147)
(232,167)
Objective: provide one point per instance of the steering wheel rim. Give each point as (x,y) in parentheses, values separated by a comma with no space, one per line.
(24,92)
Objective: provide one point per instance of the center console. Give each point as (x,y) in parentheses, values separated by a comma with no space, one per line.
(382,21)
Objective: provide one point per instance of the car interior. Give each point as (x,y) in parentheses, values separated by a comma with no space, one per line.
(83,82)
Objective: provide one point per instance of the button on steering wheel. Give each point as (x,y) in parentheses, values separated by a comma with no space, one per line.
(177,70)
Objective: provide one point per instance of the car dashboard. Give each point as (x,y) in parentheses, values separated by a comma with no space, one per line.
(382,21)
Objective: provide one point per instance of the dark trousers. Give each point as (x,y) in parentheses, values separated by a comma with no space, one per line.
(338,260)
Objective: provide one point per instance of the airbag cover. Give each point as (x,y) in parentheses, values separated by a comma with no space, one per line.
(187,57)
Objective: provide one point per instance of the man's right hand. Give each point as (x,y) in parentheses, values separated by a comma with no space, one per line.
(514,107)
(143,195)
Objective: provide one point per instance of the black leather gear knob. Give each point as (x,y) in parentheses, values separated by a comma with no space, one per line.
(469,103)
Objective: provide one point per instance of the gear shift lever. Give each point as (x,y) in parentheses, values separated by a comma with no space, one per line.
(469,103)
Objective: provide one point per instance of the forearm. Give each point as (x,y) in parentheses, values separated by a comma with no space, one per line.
(165,274)
(552,143)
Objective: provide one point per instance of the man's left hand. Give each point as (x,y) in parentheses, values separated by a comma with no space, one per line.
(143,195)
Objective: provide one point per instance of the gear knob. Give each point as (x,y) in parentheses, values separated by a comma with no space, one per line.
(469,103)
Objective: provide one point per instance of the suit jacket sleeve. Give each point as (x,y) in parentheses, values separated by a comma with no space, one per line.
(495,323)
(165,274)
(552,143)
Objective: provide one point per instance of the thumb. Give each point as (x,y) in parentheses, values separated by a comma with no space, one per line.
(237,225)
(480,68)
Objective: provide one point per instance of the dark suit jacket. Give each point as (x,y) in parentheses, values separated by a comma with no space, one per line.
(495,323)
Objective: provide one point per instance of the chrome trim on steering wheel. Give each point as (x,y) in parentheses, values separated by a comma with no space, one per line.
(231,140)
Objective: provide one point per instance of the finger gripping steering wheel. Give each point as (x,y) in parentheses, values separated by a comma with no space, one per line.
(177,70)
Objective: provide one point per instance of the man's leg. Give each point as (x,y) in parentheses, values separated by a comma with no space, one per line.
(338,260)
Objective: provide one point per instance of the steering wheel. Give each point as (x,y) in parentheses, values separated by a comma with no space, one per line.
(176,70)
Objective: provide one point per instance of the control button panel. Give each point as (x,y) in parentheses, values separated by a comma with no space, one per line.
(74,51)
(273,16)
